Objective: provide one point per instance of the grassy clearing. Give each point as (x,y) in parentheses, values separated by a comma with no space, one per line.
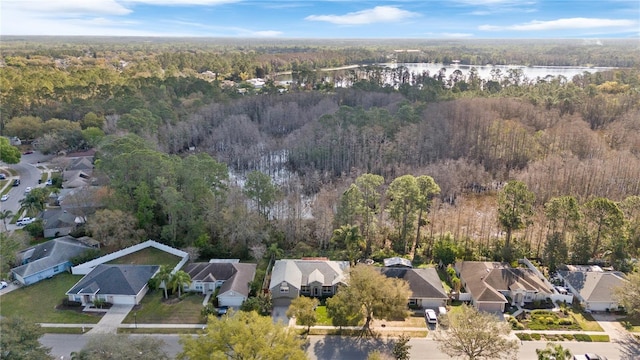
(443,278)
(322,316)
(148,256)
(65,330)
(153,310)
(37,303)
(586,321)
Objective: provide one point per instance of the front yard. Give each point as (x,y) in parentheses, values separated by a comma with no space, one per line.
(555,320)
(38,302)
(154,309)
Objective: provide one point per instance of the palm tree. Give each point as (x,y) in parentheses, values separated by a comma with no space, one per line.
(180,279)
(553,351)
(164,276)
(4,215)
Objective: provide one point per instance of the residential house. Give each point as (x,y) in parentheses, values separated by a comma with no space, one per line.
(490,283)
(58,222)
(426,288)
(593,289)
(115,284)
(230,277)
(78,173)
(315,277)
(48,259)
(397,262)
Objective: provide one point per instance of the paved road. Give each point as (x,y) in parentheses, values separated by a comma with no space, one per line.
(349,348)
(29,174)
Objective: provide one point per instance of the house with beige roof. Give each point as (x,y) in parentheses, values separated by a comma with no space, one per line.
(490,283)
(594,289)
(317,277)
(229,276)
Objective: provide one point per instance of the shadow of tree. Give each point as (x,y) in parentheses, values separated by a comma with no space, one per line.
(353,348)
(629,347)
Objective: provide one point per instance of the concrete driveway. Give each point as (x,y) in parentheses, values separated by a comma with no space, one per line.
(111,320)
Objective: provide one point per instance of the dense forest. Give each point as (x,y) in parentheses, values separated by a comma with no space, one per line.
(419,165)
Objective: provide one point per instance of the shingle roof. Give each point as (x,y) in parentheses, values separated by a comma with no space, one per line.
(58,218)
(49,254)
(485,280)
(239,282)
(236,276)
(297,272)
(424,283)
(594,285)
(114,280)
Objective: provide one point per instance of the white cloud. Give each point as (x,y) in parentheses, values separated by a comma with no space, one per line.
(562,24)
(66,7)
(181,2)
(267,33)
(379,14)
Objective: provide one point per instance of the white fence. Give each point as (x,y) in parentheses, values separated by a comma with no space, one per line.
(85,268)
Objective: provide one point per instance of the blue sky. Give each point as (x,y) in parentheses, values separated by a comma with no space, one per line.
(466,19)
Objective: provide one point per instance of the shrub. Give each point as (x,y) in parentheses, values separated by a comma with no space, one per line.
(549,320)
(568,337)
(627,325)
(535,336)
(524,336)
(71,303)
(565,321)
(519,326)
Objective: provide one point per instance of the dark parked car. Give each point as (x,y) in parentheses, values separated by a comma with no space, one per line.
(16,182)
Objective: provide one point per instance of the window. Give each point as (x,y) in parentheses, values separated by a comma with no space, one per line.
(284,290)
(304,289)
(327,289)
(56,268)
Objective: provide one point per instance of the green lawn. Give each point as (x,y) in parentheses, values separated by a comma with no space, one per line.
(586,321)
(38,302)
(148,256)
(153,310)
(322,316)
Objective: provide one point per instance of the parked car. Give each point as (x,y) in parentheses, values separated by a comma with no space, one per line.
(3,284)
(222,310)
(2,176)
(25,221)
(27,190)
(4,197)
(49,182)
(431,316)
(16,182)
(589,356)
(27,152)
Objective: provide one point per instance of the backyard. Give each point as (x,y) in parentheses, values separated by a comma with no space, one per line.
(147,256)
(38,302)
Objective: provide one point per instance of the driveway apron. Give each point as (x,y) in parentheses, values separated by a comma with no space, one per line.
(111,320)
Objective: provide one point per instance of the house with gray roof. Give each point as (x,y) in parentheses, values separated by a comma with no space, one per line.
(48,259)
(230,277)
(58,222)
(115,284)
(490,283)
(316,277)
(594,289)
(425,285)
